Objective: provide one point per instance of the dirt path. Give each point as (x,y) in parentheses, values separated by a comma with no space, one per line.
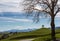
(26,40)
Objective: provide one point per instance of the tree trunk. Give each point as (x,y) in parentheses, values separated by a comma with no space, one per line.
(53,29)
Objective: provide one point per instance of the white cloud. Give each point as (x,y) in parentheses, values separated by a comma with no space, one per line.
(10,5)
(12,27)
(17,27)
(58,14)
(59,2)
(15,19)
(20,27)
(13,6)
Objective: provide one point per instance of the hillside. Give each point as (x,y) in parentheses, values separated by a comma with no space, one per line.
(32,34)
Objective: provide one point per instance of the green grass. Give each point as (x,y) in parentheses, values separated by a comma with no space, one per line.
(37,33)
(47,38)
(8,40)
(42,34)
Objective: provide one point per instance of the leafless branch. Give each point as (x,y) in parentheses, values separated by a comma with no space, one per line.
(48,6)
(57,11)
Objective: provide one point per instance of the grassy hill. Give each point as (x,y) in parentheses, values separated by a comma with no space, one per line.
(38,34)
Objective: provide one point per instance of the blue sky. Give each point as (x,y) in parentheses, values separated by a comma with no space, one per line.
(11,17)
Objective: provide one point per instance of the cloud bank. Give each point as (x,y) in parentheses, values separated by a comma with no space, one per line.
(10,5)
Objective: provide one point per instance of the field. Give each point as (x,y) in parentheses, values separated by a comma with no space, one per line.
(43,34)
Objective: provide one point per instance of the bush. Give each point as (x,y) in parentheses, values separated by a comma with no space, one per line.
(4,36)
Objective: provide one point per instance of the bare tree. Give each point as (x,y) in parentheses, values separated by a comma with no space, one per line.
(47,7)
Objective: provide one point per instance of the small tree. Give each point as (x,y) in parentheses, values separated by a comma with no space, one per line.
(42,26)
(47,7)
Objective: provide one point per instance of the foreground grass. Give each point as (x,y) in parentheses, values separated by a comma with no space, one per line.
(8,40)
(46,38)
(42,34)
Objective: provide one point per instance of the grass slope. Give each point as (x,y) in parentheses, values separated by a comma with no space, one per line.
(40,35)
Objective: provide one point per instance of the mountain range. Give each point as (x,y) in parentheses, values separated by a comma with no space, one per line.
(16,30)
(24,30)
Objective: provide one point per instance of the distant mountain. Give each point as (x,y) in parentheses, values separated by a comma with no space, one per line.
(57,27)
(16,30)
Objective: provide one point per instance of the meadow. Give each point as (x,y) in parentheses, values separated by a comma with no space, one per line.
(43,34)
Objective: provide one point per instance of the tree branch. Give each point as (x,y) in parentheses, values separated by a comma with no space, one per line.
(57,11)
(41,10)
